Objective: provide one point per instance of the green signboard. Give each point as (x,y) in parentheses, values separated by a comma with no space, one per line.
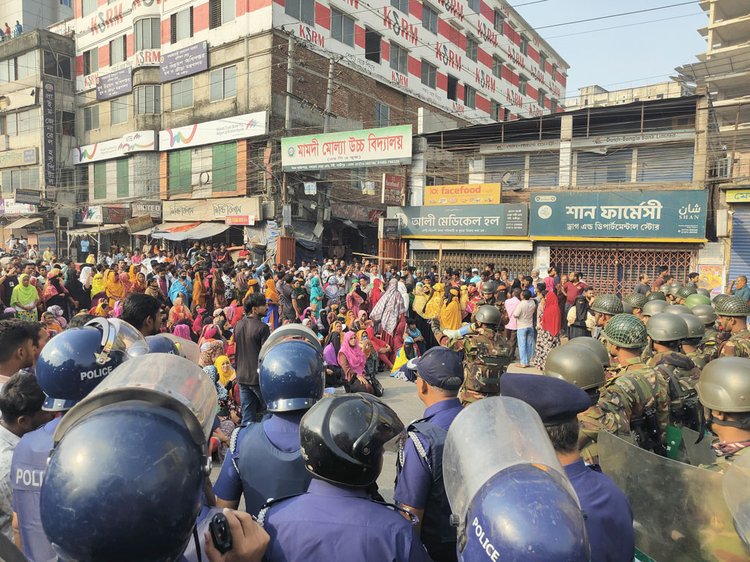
(462,220)
(678,214)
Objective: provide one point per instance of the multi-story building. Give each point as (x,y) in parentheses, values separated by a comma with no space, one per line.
(34,14)
(188,97)
(596,96)
(37,126)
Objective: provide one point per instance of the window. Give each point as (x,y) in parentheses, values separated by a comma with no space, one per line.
(303,10)
(496,111)
(117,50)
(180,171)
(122,177)
(21,122)
(90,118)
(223,83)
(90,61)
(470,97)
(474,6)
(452,88)
(372,46)
(498,21)
(429,74)
(182,93)
(554,71)
(181,25)
(7,70)
(597,169)
(342,28)
(472,48)
(541,98)
(399,58)
(542,61)
(553,106)
(147,100)
(221,12)
(382,115)
(22,178)
(66,123)
(522,81)
(497,67)
(224,165)
(429,18)
(524,45)
(402,5)
(118,111)
(57,65)
(26,65)
(148,34)
(100,180)
(88,6)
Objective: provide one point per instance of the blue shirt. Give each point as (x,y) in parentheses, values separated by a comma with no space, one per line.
(609,519)
(415,479)
(333,522)
(743,293)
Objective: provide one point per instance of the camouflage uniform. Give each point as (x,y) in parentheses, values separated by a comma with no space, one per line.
(497,304)
(708,350)
(679,364)
(486,358)
(738,345)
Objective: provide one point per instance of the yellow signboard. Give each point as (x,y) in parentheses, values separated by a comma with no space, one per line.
(738,196)
(462,194)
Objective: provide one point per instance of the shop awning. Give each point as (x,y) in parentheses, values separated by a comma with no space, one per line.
(96,229)
(22,223)
(177,232)
(144,232)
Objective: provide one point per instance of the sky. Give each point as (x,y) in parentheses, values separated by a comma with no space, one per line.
(623,57)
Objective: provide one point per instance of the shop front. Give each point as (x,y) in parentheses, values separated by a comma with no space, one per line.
(739,259)
(105,226)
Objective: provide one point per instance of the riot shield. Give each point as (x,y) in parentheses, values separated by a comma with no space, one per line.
(679,511)
(698,453)
(737,495)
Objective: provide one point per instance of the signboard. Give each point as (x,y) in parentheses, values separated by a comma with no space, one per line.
(387,146)
(462,194)
(152,209)
(184,62)
(210,132)
(137,224)
(239,220)
(21,157)
(355,212)
(679,214)
(50,140)
(9,208)
(147,57)
(28,196)
(138,141)
(389,228)
(733,196)
(193,210)
(462,220)
(92,215)
(114,84)
(101,214)
(311,188)
(18,99)
(392,189)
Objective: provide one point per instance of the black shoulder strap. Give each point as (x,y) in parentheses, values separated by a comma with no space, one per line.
(395,507)
(270,502)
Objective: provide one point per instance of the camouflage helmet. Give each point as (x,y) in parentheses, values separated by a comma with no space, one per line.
(685,292)
(489,287)
(704,292)
(607,304)
(732,306)
(694,300)
(634,300)
(671,288)
(656,296)
(575,364)
(695,326)
(705,313)
(593,345)
(654,307)
(488,315)
(667,327)
(677,309)
(725,385)
(625,330)
(718,298)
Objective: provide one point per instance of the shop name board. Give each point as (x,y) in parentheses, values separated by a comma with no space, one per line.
(28,196)
(733,196)
(152,210)
(211,209)
(239,220)
(221,130)
(448,57)
(21,157)
(630,214)
(101,214)
(9,207)
(385,146)
(50,140)
(462,194)
(393,189)
(105,19)
(137,224)
(462,220)
(114,84)
(454,7)
(184,62)
(147,57)
(138,141)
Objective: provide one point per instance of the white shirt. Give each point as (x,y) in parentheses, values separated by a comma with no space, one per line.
(8,442)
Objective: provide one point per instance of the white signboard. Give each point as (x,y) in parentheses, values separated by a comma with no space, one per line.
(139,141)
(221,130)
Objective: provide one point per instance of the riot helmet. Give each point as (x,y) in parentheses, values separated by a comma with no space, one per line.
(292,376)
(667,327)
(678,309)
(159,344)
(289,332)
(685,292)
(725,385)
(593,345)
(489,315)
(694,300)
(656,296)
(175,345)
(704,292)
(654,307)
(706,314)
(489,288)
(577,365)
(732,307)
(627,331)
(634,300)
(696,329)
(607,304)
(343,438)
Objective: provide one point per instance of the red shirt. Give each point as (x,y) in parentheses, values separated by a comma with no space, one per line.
(572,290)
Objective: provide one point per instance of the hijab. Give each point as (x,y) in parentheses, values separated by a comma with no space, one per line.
(210,352)
(354,355)
(389,308)
(271,293)
(224,378)
(182,331)
(315,291)
(114,287)
(551,315)
(24,295)
(450,316)
(435,303)
(582,310)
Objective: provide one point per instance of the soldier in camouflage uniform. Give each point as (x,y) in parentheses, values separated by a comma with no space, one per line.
(634,401)
(633,304)
(708,349)
(604,308)
(683,293)
(489,296)
(732,313)
(691,345)
(579,366)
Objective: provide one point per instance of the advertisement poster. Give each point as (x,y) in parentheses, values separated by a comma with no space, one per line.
(711,277)
(462,194)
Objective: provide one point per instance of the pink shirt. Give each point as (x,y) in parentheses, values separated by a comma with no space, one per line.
(510,306)
(549,282)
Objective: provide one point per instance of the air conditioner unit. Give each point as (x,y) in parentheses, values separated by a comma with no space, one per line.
(724,168)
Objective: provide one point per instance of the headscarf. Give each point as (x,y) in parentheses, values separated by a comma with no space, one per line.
(133,272)
(450,316)
(209,333)
(213,374)
(86,276)
(582,311)
(354,300)
(272,295)
(354,355)
(182,331)
(126,283)
(210,351)
(23,295)
(376,292)
(349,319)
(316,293)
(199,295)
(432,310)
(140,285)
(551,316)
(98,285)
(114,287)
(334,336)
(178,312)
(224,378)
(389,308)
(57,312)
(420,299)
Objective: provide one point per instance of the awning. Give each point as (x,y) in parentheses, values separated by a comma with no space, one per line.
(177,232)
(103,229)
(22,223)
(144,232)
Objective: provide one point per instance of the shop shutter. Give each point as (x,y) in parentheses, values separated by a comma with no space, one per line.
(514,262)
(740,257)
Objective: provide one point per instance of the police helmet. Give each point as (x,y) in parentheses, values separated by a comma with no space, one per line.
(667,327)
(685,292)
(696,329)
(679,309)
(289,332)
(706,314)
(607,304)
(160,344)
(654,307)
(504,520)
(694,300)
(704,292)
(577,365)
(343,438)
(593,345)
(292,376)
(174,345)
(733,307)
(625,330)
(489,315)
(656,296)
(671,288)
(634,300)
(489,287)
(725,385)
(76,360)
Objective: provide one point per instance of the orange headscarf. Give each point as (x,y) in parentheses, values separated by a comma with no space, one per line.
(272,295)
(114,288)
(199,294)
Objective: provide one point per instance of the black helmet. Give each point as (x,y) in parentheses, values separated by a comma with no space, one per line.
(678,309)
(654,307)
(593,345)
(685,292)
(696,329)
(625,330)
(343,438)
(732,306)
(607,304)
(489,287)
(706,314)
(292,376)
(667,327)
(489,315)
(656,296)
(575,364)
(634,300)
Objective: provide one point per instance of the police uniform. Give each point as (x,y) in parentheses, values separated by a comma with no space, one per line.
(419,474)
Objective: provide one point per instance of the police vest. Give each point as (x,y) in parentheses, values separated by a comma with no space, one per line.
(27,472)
(437,532)
(265,471)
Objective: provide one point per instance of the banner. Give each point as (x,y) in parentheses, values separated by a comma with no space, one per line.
(114,84)
(392,189)
(137,141)
(623,214)
(50,140)
(184,62)
(462,220)
(210,132)
(462,194)
(387,146)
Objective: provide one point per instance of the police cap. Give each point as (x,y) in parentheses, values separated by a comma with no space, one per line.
(441,367)
(555,400)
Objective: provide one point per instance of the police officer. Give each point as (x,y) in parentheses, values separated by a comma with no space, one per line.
(609,519)
(634,400)
(709,348)
(633,304)
(343,439)
(732,313)
(605,307)
(70,366)
(692,343)
(489,296)
(419,475)
(265,460)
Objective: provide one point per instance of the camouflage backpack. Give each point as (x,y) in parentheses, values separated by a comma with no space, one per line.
(486,358)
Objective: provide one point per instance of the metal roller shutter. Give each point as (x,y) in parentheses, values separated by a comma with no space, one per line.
(514,262)
(740,256)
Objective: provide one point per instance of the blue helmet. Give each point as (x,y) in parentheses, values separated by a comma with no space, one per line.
(292,376)
(161,344)
(524,513)
(75,361)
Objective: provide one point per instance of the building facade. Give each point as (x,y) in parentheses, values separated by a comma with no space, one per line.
(34,14)
(596,96)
